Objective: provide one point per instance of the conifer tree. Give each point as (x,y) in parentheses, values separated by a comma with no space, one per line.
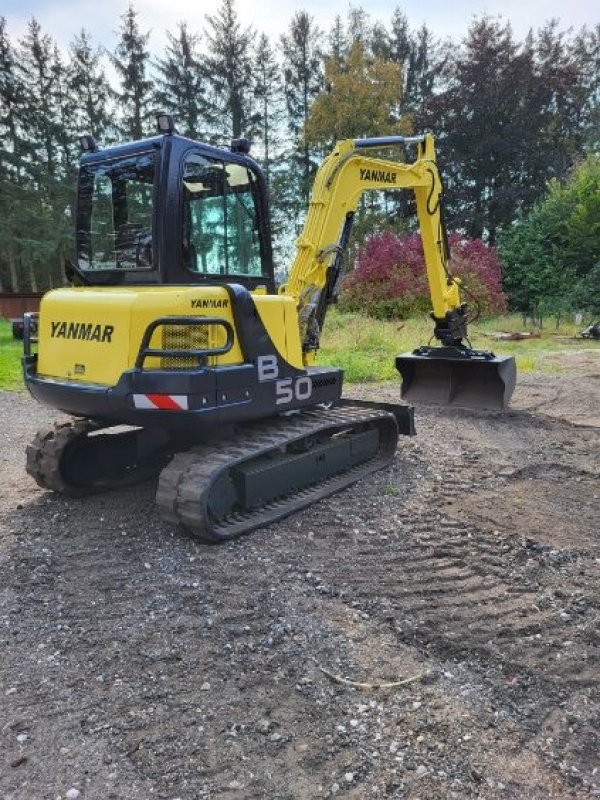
(337,41)
(64,106)
(268,90)
(41,215)
(303,80)
(34,65)
(130,61)
(11,97)
(229,71)
(359,28)
(380,44)
(89,88)
(180,83)
(400,39)
(587,49)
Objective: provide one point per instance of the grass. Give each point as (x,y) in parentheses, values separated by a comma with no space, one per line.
(366,348)
(11,351)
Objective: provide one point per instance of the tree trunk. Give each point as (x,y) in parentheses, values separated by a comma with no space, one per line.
(32,277)
(12,265)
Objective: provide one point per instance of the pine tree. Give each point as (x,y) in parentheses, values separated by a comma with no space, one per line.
(400,44)
(229,71)
(359,28)
(337,41)
(89,88)
(587,50)
(64,105)
(130,61)
(180,83)
(268,92)
(35,71)
(477,115)
(560,93)
(303,81)
(11,98)
(380,43)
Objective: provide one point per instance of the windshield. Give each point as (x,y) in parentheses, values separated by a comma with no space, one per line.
(115,210)
(221,231)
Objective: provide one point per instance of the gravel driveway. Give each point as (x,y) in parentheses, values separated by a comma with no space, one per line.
(137,663)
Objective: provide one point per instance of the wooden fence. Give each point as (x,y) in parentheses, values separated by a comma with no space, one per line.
(15,304)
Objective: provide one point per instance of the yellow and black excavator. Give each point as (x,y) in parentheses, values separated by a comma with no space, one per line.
(174,328)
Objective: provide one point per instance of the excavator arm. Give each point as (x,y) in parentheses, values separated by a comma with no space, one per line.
(446,375)
(342,179)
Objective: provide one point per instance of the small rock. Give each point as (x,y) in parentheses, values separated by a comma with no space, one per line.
(349,777)
(73,794)
(235,785)
(205,686)
(264,725)
(421,770)
(335,787)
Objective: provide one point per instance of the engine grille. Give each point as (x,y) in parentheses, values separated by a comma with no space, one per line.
(186,337)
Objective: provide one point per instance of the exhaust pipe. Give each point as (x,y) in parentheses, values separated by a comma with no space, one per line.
(456,376)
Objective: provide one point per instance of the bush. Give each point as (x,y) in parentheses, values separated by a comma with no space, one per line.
(551,257)
(390,280)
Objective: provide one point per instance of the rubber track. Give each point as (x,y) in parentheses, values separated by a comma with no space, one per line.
(46,451)
(185,484)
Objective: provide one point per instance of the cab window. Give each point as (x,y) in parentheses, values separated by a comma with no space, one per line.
(221,232)
(115,212)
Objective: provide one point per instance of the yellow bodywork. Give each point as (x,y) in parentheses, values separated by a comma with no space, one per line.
(93,335)
(345,175)
(104,326)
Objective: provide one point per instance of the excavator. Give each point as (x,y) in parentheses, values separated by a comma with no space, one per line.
(176,355)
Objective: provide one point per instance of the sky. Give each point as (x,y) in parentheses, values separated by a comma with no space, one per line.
(63,18)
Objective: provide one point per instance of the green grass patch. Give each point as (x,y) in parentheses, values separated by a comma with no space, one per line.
(11,351)
(366,348)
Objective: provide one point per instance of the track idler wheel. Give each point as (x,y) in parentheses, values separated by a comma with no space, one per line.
(80,457)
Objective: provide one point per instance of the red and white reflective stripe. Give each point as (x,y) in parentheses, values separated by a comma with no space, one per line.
(165,402)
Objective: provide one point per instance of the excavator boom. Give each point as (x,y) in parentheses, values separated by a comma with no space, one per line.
(452,374)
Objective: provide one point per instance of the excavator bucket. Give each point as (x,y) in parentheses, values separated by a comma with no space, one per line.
(452,376)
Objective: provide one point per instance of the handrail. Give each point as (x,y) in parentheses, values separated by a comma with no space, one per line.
(146,351)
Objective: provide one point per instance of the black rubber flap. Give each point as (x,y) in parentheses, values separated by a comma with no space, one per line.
(467,383)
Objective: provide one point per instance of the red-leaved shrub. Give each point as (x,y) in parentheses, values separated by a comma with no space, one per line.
(389,279)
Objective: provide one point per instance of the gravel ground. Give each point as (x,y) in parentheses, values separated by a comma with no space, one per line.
(137,663)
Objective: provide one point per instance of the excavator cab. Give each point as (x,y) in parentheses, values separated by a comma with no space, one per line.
(169,211)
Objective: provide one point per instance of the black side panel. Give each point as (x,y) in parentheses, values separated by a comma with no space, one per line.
(252,334)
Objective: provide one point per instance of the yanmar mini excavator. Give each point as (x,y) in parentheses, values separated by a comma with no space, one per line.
(174,328)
